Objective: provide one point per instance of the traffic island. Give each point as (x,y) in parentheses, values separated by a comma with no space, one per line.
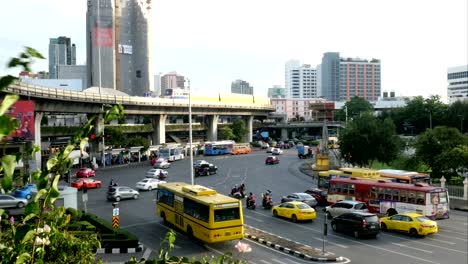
(289,246)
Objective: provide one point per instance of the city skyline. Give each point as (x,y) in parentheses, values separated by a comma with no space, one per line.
(416,44)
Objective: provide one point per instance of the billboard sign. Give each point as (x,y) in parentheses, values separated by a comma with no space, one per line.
(23,111)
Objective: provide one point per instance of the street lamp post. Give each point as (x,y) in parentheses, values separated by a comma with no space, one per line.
(103,137)
(190,133)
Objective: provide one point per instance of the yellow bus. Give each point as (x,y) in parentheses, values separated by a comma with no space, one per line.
(200,212)
(403,176)
(361,173)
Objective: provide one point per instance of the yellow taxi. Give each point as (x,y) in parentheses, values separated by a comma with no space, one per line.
(296,211)
(412,223)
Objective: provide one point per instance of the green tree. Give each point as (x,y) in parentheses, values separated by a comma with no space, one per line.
(137,142)
(366,139)
(114,137)
(225,133)
(444,150)
(357,106)
(457,115)
(239,130)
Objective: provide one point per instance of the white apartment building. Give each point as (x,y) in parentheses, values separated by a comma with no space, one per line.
(300,80)
(457,78)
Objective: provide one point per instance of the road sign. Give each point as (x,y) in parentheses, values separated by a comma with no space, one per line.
(115,222)
(85,197)
(115,212)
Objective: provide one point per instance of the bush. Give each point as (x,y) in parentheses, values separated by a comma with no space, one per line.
(75,214)
(255,144)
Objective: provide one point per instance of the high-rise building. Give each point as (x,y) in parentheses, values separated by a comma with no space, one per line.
(61,52)
(359,77)
(277,92)
(457,89)
(330,75)
(301,80)
(172,80)
(344,78)
(118,37)
(241,87)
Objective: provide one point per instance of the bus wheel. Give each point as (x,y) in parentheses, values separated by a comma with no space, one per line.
(190,232)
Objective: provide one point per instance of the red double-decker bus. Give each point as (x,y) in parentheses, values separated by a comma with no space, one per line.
(390,197)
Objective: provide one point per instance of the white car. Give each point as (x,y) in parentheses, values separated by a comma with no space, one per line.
(276,151)
(148,184)
(270,150)
(156,173)
(345,206)
(162,164)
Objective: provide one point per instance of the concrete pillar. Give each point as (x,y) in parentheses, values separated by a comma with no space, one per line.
(284,134)
(249,125)
(159,129)
(37,138)
(212,133)
(465,189)
(442,182)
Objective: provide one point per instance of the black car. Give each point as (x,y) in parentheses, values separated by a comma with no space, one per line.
(357,223)
(205,169)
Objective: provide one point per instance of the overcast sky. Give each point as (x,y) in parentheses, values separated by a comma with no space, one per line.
(214,42)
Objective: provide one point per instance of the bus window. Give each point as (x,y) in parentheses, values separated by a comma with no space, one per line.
(411,197)
(420,198)
(351,189)
(395,194)
(226,214)
(166,197)
(345,188)
(196,210)
(388,194)
(381,192)
(403,196)
(373,192)
(338,188)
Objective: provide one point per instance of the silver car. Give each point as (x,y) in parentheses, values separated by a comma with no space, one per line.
(8,201)
(345,206)
(116,193)
(300,197)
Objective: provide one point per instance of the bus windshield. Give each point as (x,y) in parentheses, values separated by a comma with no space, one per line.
(226,214)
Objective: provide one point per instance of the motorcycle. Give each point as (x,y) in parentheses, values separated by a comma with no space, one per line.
(267,203)
(237,193)
(250,204)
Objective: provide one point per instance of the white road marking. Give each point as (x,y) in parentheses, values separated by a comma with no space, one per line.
(395,252)
(462,239)
(427,244)
(292,261)
(412,248)
(253,218)
(264,261)
(440,241)
(450,231)
(277,261)
(147,253)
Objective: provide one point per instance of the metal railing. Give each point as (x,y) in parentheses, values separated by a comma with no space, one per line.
(453,190)
(60,94)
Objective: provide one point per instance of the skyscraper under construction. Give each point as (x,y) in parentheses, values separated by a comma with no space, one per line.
(118,37)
